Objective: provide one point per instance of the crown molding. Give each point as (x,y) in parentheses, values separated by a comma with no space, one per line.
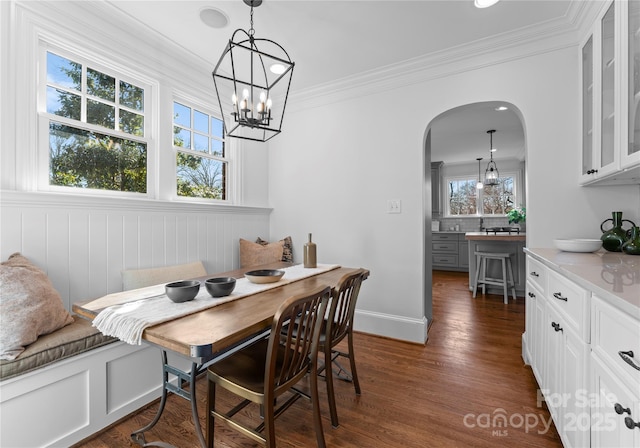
(526,42)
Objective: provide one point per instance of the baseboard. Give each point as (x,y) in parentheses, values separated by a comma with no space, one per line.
(395,327)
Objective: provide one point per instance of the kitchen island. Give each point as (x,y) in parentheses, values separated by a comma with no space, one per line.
(512,243)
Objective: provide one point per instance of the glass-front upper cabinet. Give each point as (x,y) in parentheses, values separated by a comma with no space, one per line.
(600,93)
(587,107)
(631,138)
(608,84)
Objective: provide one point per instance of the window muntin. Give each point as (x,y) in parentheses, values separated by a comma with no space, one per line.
(96,128)
(463,198)
(201,160)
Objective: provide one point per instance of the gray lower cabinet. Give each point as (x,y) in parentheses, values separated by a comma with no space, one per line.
(450,252)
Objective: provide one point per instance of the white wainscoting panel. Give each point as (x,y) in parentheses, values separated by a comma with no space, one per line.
(83,243)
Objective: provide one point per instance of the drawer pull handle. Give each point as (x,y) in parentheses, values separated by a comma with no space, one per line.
(626,357)
(630,423)
(558,295)
(531,294)
(556,326)
(620,410)
(534,274)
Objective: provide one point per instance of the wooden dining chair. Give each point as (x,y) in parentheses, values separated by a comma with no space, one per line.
(263,371)
(339,325)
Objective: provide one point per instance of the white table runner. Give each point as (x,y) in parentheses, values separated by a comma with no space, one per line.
(128,313)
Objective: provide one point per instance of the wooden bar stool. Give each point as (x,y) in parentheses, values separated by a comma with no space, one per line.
(481,273)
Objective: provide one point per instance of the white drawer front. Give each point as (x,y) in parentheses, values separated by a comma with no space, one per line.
(537,274)
(616,336)
(573,301)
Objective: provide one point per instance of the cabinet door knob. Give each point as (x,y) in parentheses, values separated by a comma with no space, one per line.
(531,294)
(630,423)
(620,410)
(627,357)
(534,274)
(556,327)
(558,295)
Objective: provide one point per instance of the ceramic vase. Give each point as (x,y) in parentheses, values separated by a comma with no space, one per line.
(615,237)
(632,246)
(309,252)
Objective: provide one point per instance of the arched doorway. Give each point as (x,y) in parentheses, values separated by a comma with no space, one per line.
(454,140)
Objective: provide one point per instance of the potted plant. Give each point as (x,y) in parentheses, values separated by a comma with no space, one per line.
(517,215)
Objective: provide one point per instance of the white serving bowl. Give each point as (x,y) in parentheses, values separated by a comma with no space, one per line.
(578,245)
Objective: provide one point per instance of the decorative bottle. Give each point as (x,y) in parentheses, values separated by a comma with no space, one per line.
(614,238)
(310,254)
(632,246)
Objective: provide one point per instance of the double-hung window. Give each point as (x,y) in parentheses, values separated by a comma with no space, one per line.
(202,161)
(464,199)
(97,126)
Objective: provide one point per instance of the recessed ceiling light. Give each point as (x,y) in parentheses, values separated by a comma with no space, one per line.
(277,69)
(501,108)
(214,18)
(485,3)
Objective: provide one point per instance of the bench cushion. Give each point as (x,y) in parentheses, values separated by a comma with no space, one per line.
(78,337)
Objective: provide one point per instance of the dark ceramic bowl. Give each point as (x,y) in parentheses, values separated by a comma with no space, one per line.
(220,286)
(182,291)
(264,275)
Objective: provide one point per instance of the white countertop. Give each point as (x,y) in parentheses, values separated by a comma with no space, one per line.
(614,276)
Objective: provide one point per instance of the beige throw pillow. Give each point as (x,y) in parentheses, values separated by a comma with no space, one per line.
(29,306)
(287,253)
(253,254)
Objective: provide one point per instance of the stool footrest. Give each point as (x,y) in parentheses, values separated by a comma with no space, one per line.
(494,281)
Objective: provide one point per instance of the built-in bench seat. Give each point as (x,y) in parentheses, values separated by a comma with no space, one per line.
(75,381)
(75,338)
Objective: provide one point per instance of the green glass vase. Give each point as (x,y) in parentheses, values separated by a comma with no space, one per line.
(632,245)
(615,237)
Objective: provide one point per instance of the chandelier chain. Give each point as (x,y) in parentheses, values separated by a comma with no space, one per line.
(251,30)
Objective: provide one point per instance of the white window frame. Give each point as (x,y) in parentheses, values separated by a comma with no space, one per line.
(231,192)
(44,119)
(518,198)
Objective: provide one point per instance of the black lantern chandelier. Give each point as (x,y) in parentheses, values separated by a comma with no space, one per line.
(491,174)
(252,80)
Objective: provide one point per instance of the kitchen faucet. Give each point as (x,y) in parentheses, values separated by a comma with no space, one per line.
(481,224)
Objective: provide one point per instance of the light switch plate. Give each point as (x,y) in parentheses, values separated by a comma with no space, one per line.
(394,206)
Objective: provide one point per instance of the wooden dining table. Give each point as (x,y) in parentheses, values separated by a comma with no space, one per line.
(207,335)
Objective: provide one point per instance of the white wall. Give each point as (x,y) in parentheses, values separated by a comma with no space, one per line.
(340,159)
(82,241)
(344,151)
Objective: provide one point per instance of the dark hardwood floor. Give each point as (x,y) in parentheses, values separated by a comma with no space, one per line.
(467,387)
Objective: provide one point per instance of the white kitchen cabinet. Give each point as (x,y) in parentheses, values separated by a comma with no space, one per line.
(615,372)
(565,380)
(613,405)
(584,351)
(535,314)
(630,28)
(610,94)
